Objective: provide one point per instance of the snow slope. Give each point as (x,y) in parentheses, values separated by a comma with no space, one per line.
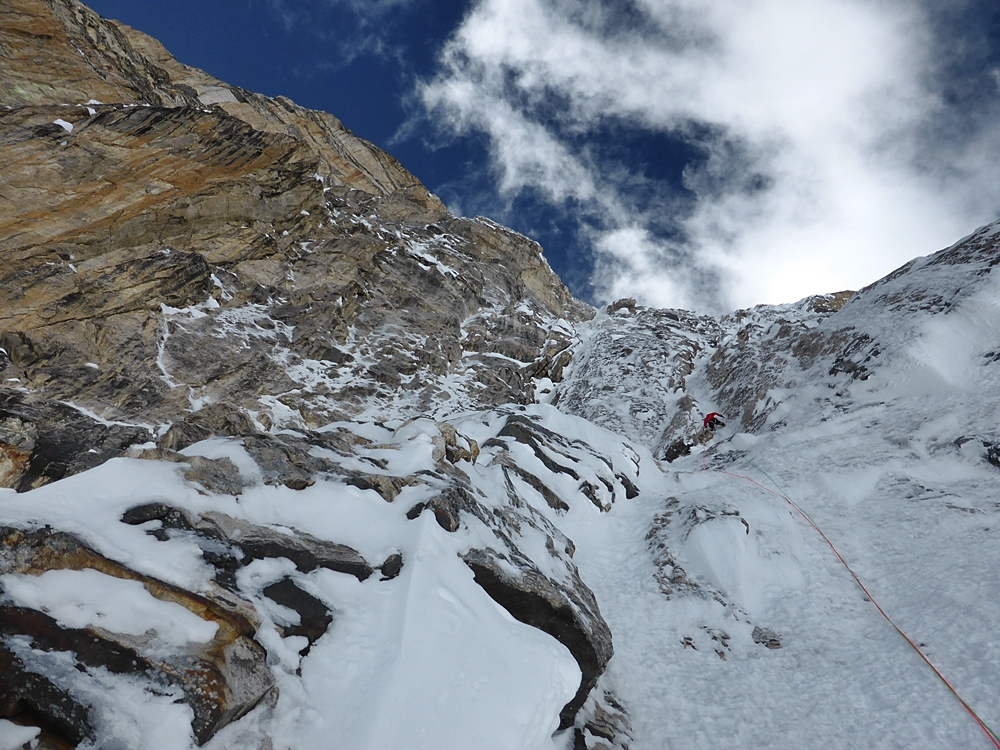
(896,462)
(425,659)
(733,622)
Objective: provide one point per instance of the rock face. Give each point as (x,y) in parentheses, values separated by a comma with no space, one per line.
(187,261)
(41,441)
(184,242)
(632,376)
(653,374)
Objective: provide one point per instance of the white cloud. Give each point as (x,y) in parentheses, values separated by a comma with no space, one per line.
(631,262)
(826,161)
(526,154)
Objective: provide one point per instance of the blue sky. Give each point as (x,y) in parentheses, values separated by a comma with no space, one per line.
(705,154)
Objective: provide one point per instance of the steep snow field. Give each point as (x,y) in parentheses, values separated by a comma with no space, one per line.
(901,471)
(426,660)
(919,529)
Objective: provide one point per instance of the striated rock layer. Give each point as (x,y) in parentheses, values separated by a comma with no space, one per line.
(172,241)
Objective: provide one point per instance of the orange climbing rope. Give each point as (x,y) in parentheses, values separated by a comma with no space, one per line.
(982,725)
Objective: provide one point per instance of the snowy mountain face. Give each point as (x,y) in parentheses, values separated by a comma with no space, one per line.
(296,459)
(879,421)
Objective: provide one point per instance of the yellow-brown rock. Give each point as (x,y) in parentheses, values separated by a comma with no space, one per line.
(169,241)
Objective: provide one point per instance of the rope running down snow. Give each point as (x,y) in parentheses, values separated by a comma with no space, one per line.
(994,738)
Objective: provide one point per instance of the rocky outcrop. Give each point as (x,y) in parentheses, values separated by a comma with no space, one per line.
(563,606)
(767,347)
(42,441)
(173,241)
(635,374)
(221,676)
(508,569)
(533,599)
(62,53)
(606,726)
(245,542)
(632,378)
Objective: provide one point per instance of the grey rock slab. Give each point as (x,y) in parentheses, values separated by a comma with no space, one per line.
(305,550)
(42,441)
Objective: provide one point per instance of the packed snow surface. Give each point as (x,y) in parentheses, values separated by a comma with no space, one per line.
(901,471)
(14,737)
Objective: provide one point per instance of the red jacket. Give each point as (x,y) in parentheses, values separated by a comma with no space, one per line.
(710,417)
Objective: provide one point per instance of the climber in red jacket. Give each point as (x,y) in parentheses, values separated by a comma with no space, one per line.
(714,420)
